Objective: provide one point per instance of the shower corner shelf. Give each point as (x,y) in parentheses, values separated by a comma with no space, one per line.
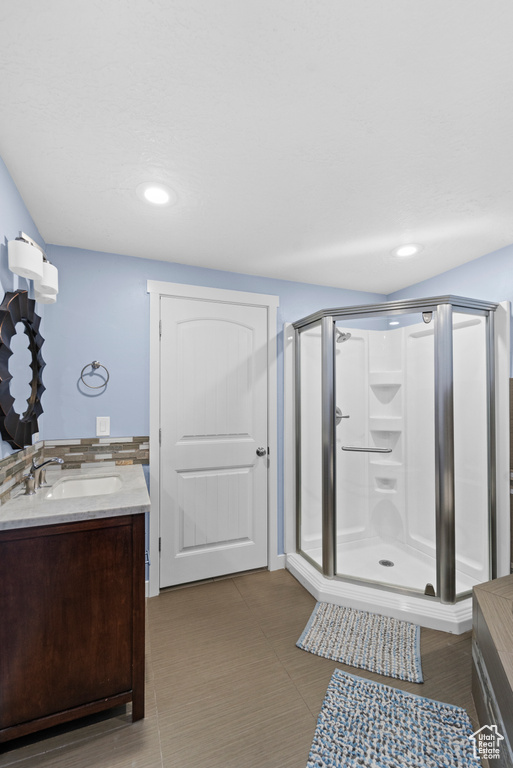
(385,378)
(385,463)
(386,423)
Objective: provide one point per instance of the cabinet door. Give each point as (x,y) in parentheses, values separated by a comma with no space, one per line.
(66,608)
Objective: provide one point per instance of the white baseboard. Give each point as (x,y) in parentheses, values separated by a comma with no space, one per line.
(455,618)
(278,562)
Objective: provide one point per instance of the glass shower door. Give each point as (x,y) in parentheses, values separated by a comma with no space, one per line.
(309,447)
(471,450)
(385,489)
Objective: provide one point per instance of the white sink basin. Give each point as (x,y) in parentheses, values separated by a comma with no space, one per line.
(93,485)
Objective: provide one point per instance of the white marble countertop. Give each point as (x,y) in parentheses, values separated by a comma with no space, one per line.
(27,511)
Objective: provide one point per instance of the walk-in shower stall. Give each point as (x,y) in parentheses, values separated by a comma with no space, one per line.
(395,447)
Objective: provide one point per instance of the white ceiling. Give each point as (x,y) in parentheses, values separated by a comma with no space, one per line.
(304,139)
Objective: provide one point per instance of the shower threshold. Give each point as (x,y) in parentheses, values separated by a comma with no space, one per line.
(425,611)
(410,569)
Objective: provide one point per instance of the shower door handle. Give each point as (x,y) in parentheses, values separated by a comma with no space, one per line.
(366,450)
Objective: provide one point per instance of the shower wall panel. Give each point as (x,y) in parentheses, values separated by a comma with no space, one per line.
(420,437)
(351,364)
(311,444)
(386,425)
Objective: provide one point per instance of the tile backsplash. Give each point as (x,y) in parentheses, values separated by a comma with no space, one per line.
(75,454)
(115,450)
(15,466)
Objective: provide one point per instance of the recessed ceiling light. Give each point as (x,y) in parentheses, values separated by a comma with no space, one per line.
(407,250)
(394,322)
(156,194)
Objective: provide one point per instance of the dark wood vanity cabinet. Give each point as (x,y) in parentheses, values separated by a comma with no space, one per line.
(71,622)
(492,661)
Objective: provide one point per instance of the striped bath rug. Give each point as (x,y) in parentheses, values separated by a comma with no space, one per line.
(364,724)
(366,640)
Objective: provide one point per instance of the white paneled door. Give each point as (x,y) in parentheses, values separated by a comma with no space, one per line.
(213,455)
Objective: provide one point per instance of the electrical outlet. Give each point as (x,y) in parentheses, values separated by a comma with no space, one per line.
(102,426)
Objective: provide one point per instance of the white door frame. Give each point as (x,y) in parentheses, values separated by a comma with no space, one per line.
(156,289)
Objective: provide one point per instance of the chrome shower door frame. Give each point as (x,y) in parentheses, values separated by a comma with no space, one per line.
(442,309)
(444,456)
(329,441)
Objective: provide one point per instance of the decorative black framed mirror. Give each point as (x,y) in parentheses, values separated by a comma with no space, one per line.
(17,315)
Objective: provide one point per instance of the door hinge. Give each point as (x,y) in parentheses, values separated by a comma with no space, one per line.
(160,544)
(160,329)
(160,436)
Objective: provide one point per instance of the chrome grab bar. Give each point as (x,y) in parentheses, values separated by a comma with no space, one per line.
(366,450)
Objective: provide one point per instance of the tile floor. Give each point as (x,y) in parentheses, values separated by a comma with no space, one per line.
(226,685)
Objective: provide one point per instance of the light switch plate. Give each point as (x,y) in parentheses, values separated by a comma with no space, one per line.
(102,426)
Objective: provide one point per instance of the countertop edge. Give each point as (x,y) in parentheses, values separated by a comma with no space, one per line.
(72,517)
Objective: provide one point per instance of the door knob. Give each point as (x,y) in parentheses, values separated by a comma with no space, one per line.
(261,451)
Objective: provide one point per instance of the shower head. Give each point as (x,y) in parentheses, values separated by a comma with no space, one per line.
(342,336)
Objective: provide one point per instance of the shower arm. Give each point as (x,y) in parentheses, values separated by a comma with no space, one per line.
(366,450)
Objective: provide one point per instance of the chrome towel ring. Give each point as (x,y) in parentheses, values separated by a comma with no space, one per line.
(95,365)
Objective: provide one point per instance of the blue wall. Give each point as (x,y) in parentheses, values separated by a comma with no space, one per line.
(102,313)
(14,217)
(489,278)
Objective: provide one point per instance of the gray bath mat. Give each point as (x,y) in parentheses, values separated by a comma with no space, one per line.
(366,640)
(364,724)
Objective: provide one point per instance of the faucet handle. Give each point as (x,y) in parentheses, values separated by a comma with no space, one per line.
(30,484)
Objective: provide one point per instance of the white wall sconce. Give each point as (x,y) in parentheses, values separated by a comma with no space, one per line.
(27,259)
(44,298)
(49,282)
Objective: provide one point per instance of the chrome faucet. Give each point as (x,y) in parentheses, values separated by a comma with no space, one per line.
(39,473)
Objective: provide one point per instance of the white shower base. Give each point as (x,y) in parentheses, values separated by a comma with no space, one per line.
(425,611)
(412,569)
